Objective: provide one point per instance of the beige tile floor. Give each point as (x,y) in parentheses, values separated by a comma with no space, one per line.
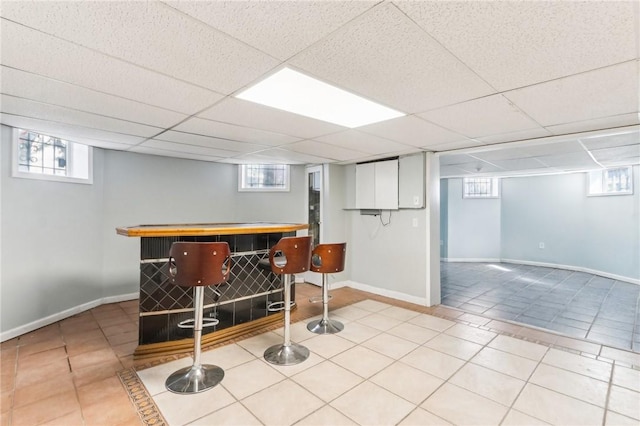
(394,363)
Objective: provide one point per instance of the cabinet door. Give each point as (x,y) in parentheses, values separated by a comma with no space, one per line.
(386,185)
(365,186)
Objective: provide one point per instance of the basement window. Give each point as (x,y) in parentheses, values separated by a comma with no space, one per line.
(618,181)
(44,157)
(263,177)
(481,188)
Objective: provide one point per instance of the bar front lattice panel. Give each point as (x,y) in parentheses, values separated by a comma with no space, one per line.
(243,298)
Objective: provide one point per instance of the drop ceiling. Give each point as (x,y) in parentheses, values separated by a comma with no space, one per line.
(496,87)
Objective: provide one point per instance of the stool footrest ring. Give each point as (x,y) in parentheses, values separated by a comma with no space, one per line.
(206,322)
(278,306)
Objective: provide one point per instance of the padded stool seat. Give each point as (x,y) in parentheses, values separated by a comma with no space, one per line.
(327,259)
(294,257)
(197,264)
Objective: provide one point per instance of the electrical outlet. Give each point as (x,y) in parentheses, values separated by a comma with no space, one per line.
(541,245)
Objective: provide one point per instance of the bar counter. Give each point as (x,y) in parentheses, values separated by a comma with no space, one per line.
(240,305)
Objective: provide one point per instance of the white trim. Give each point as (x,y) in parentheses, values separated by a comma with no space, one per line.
(466,259)
(23,329)
(575,268)
(422,301)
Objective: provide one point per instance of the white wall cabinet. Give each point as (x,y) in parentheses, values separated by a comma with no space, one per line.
(377,185)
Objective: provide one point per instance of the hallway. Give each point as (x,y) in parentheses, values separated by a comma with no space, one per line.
(576,304)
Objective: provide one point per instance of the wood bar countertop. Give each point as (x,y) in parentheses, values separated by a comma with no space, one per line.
(191,229)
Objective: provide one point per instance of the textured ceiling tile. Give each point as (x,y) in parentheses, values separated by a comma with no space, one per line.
(280,156)
(513,44)
(559,147)
(618,162)
(596,124)
(612,140)
(230,131)
(461,144)
(60,60)
(411,130)
(595,94)
(320,149)
(27,108)
(619,152)
(503,154)
(38,88)
(249,114)
(151,35)
(478,166)
(209,142)
(385,57)
(363,142)
(481,117)
(568,161)
(73,133)
(280,29)
(521,135)
(190,149)
(174,154)
(519,164)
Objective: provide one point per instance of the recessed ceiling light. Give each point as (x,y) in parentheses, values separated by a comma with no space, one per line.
(295,92)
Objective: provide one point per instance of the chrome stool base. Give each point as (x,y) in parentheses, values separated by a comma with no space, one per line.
(286,354)
(194,379)
(325,326)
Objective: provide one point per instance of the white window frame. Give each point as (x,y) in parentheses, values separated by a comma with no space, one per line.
(72,157)
(495,189)
(242,185)
(604,192)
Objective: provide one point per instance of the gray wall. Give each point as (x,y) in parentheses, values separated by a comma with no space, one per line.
(472,225)
(59,245)
(595,233)
(51,243)
(598,233)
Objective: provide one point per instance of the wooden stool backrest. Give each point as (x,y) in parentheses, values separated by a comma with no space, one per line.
(194,264)
(328,258)
(295,255)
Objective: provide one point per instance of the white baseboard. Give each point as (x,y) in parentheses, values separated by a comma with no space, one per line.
(575,268)
(422,301)
(18,331)
(467,259)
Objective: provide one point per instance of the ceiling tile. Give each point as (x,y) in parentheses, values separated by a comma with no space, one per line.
(569,161)
(566,146)
(70,63)
(618,162)
(478,166)
(514,44)
(601,93)
(363,142)
(292,26)
(233,132)
(481,117)
(502,154)
(249,114)
(520,135)
(173,154)
(279,156)
(619,152)
(519,164)
(386,57)
(452,171)
(616,139)
(52,113)
(462,144)
(453,159)
(31,86)
(151,35)
(209,142)
(325,150)
(411,130)
(73,133)
(190,149)
(596,124)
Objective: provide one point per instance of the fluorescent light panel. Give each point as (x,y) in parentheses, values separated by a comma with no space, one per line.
(295,92)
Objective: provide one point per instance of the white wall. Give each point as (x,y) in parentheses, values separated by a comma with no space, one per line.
(473,225)
(597,234)
(59,246)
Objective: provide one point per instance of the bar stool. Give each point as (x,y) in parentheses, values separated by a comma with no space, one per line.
(326,259)
(198,264)
(295,256)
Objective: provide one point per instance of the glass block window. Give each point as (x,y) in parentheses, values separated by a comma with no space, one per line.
(481,187)
(263,177)
(39,156)
(617,181)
